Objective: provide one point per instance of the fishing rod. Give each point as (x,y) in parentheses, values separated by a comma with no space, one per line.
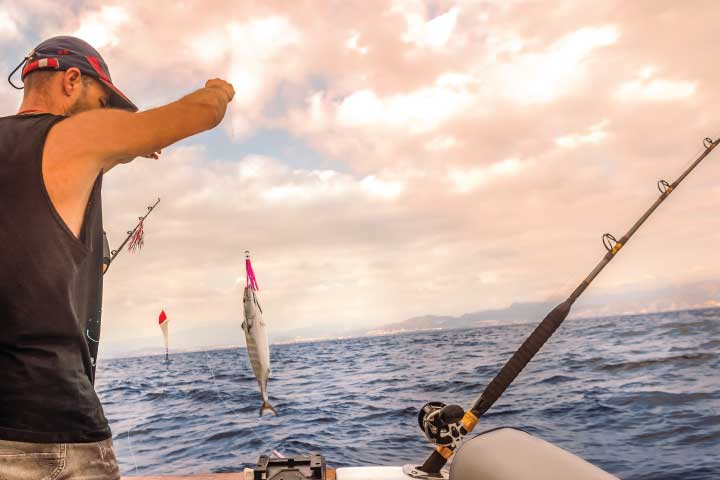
(134,236)
(446,425)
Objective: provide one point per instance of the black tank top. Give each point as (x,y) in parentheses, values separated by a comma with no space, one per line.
(50,299)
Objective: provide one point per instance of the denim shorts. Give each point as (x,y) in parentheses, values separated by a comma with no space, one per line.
(58,461)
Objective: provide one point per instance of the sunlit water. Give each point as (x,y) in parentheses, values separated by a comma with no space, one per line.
(637,395)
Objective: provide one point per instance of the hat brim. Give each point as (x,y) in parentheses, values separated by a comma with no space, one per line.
(117,98)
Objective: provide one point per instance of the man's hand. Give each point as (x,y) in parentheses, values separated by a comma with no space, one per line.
(223,86)
(218,92)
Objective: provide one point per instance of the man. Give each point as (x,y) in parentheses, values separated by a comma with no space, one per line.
(53,154)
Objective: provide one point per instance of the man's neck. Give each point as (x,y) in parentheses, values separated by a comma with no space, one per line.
(36,105)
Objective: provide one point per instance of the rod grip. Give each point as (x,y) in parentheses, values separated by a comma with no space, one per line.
(521,357)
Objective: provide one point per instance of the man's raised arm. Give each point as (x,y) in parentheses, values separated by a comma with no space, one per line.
(109,137)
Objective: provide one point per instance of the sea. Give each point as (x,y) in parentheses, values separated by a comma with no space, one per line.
(638,396)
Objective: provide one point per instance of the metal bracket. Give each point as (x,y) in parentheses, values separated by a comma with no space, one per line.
(414,472)
(303,467)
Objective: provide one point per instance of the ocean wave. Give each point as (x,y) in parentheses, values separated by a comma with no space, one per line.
(691,358)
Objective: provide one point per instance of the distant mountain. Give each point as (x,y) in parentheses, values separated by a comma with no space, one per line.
(673,297)
(517,312)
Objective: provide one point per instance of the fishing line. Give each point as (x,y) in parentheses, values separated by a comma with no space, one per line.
(233,411)
(231,111)
(132,451)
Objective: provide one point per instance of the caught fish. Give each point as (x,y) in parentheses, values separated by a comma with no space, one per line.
(256,337)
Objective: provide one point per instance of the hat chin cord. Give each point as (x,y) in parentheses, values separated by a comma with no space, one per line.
(23,62)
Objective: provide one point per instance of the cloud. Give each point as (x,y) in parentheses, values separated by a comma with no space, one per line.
(353,44)
(595,135)
(543,76)
(382,188)
(433,33)
(416,112)
(441,143)
(467,180)
(645,87)
(8,27)
(100,27)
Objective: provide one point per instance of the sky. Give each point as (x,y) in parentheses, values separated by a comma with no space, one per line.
(389,159)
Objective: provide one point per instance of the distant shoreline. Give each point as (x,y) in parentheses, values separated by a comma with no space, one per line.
(384,332)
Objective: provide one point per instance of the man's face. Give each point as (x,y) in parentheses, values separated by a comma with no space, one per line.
(92,95)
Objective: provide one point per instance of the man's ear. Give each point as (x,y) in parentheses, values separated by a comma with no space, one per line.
(71,81)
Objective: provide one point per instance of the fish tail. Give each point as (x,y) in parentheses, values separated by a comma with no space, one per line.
(266,406)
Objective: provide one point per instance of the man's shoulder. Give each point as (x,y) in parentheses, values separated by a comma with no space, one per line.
(28,128)
(33,117)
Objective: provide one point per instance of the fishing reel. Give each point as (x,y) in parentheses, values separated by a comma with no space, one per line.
(442,424)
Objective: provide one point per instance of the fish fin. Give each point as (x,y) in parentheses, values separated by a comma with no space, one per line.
(267,406)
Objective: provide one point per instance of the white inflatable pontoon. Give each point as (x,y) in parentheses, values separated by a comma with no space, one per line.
(502,454)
